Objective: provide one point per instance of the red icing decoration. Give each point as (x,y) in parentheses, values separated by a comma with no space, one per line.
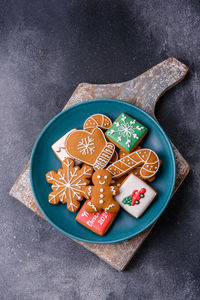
(136,195)
(98,222)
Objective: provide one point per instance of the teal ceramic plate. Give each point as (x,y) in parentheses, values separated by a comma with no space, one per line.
(43,160)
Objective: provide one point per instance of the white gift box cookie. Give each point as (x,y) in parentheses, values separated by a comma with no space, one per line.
(135,195)
(59,148)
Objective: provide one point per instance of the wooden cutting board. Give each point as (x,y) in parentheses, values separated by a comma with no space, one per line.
(143,91)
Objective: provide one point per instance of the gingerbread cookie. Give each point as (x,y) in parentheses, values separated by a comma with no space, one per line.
(59,148)
(101,194)
(126,133)
(146,158)
(68,183)
(114,158)
(123,153)
(135,171)
(91,148)
(97,120)
(98,222)
(135,195)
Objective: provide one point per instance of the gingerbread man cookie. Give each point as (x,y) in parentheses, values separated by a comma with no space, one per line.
(101,194)
(68,183)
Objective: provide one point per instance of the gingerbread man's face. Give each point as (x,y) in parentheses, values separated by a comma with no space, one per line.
(102,178)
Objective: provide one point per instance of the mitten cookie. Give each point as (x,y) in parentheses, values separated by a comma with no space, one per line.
(68,183)
(126,133)
(91,148)
(97,120)
(101,194)
(135,195)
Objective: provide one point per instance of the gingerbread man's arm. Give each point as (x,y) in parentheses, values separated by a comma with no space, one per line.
(88,191)
(114,190)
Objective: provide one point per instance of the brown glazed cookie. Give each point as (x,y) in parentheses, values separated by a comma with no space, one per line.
(91,148)
(101,194)
(146,158)
(97,120)
(68,183)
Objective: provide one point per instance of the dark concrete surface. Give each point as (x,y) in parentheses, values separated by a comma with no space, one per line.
(46,49)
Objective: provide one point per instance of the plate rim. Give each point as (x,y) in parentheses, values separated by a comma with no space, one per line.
(130,235)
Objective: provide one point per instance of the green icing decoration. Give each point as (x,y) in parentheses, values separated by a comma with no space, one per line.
(126,132)
(127,200)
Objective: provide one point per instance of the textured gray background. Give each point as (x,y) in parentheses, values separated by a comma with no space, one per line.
(46,49)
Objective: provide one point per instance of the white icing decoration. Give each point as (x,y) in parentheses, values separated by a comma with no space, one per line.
(113,190)
(111,131)
(102,182)
(89,190)
(92,205)
(107,208)
(101,201)
(85,146)
(101,196)
(101,190)
(104,156)
(123,118)
(119,139)
(128,142)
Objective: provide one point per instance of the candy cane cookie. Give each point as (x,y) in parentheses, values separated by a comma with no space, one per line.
(146,158)
(97,120)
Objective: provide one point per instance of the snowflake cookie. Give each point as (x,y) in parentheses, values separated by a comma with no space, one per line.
(101,194)
(126,133)
(135,195)
(68,183)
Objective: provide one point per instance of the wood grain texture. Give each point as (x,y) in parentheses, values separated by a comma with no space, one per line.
(143,91)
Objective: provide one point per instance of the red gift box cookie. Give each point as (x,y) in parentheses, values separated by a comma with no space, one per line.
(99,222)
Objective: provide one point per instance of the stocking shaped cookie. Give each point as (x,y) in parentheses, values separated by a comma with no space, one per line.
(90,147)
(68,183)
(101,194)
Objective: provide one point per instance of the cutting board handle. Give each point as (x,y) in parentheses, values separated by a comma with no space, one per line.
(143,91)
